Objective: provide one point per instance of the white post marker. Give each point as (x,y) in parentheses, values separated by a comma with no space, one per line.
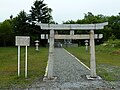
(18,61)
(22,41)
(92,55)
(26,62)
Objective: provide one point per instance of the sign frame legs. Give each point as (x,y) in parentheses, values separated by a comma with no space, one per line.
(18,61)
(26,65)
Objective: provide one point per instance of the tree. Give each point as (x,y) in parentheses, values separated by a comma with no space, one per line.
(114,22)
(11,17)
(69,22)
(6,33)
(40,12)
(21,26)
(90,18)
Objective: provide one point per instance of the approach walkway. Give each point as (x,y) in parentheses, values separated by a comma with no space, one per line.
(71,75)
(67,68)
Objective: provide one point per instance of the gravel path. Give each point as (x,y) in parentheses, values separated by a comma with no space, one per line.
(71,75)
(67,68)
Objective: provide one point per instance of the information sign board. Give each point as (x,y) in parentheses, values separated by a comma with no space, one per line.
(22,41)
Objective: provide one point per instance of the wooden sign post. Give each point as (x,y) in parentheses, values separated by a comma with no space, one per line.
(22,41)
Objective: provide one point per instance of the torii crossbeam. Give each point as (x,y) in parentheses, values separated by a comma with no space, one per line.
(72,26)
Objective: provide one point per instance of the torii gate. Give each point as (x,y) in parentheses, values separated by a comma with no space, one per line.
(72,27)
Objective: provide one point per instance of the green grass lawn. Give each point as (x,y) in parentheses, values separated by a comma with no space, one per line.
(107,60)
(37,62)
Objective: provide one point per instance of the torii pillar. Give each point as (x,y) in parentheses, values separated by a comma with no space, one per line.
(51,55)
(92,55)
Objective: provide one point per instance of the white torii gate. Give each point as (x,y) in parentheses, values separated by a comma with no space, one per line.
(72,27)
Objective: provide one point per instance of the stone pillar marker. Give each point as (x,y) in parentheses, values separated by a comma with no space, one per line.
(51,55)
(92,55)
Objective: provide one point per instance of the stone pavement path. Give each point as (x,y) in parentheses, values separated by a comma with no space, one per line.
(71,75)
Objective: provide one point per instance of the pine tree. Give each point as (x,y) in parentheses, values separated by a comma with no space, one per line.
(40,12)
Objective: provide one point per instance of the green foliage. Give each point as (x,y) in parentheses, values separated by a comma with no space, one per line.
(113,27)
(114,23)
(24,24)
(112,42)
(40,12)
(21,27)
(6,32)
(90,18)
(69,22)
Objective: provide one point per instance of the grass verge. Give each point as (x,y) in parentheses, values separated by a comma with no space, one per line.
(37,62)
(107,61)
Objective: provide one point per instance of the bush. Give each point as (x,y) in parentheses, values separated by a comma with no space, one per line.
(112,43)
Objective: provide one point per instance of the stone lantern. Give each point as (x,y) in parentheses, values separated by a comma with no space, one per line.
(86,44)
(37,44)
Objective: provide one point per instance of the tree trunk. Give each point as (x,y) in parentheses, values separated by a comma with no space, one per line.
(4,42)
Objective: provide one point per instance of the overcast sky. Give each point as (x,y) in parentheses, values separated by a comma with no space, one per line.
(63,10)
